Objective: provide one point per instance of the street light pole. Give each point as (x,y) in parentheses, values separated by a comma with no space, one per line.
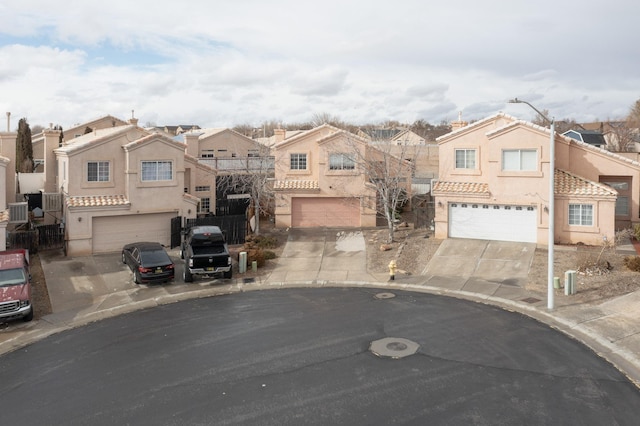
(552,168)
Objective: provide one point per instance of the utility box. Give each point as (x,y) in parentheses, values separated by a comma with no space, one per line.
(570,282)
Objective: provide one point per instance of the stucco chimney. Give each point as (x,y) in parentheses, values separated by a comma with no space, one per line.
(192,141)
(279,134)
(458,124)
(133,120)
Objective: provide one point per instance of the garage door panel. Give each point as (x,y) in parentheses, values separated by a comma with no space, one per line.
(332,212)
(493,222)
(110,233)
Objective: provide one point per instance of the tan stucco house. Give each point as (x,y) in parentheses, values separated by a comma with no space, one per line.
(320,181)
(493,184)
(123,184)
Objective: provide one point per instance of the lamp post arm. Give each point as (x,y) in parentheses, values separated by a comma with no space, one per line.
(520,101)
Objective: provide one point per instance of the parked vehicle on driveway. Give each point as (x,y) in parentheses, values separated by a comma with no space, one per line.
(15,285)
(205,253)
(149,262)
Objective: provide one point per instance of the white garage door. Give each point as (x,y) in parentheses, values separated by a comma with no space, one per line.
(112,232)
(493,222)
(331,212)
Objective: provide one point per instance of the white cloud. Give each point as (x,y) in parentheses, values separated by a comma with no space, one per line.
(223,63)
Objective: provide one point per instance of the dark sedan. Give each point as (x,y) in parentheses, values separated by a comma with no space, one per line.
(149,262)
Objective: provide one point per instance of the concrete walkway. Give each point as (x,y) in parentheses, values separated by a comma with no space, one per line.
(88,289)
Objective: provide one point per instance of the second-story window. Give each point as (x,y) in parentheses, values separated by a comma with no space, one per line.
(98,171)
(341,162)
(298,162)
(157,170)
(465,158)
(524,160)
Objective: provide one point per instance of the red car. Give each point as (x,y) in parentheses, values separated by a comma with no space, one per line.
(15,285)
(149,262)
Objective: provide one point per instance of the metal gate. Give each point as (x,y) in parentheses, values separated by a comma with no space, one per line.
(176,231)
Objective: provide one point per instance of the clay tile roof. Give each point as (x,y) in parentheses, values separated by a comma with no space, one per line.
(569,184)
(296,185)
(97,201)
(477,188)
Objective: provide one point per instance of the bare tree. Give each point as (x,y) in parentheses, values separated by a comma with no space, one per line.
(254,178)
(622,136)
(388,169)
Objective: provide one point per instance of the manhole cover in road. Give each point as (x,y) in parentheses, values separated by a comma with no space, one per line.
(393,347)
(385,295)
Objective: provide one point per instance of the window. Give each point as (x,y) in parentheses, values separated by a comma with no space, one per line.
(581,214)
(204,206)
(341,162)
(157,170)
(298,162)
(98,171)
(208,153)
(465,158)
(205,188)
(520,160)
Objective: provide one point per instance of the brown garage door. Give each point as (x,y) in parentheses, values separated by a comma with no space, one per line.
(332,212)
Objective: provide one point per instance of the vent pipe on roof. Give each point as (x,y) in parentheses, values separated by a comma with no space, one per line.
(8,121)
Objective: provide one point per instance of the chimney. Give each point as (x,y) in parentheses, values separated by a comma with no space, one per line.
(458,124)
(191,139)
(279,134)
(133,120)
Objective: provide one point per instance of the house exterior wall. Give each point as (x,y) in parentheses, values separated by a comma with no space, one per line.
(99,123)
(524,188)
(8,182)
(125,193)
(592,163)
(317,145)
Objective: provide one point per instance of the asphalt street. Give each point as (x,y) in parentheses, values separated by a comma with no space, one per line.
(302,356)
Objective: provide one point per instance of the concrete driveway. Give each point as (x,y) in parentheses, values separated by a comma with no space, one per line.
(489,267)
(323,254)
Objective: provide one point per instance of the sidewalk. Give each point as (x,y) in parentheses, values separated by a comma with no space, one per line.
(87,289)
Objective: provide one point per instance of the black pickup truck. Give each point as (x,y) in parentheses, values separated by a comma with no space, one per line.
(205,252)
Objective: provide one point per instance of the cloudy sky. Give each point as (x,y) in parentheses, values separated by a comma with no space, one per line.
(219,63)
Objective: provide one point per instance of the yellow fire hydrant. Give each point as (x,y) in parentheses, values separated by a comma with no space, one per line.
(392,270)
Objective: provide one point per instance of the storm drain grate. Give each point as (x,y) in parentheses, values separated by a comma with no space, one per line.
(385,295)
(248,280)
(531,300)
(393,347)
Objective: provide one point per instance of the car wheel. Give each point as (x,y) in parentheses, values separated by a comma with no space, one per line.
(229,274)
(136,277)
(29,316)
(123,259)
(186,275)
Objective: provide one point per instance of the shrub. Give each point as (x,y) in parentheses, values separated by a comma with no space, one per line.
(632,262)
(636,231)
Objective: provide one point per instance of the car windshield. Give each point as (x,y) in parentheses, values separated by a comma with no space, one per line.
(155,257)
(12,277)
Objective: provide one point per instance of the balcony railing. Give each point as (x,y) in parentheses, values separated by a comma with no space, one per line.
(249,164)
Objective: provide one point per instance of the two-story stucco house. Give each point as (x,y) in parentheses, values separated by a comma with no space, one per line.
(494,184)
(320,179)
(123,184)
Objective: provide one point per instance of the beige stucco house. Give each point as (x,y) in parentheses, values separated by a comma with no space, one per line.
(320,179)
(494,184)
(123,184)
(7,181)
